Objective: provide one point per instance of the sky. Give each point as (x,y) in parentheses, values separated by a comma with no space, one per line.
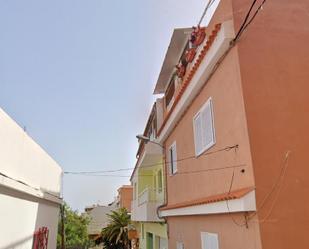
(79,75)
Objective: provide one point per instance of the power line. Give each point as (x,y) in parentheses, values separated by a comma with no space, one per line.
(275,186)
(246,23)
(209,4)
(245,20)
(96,172)
(178,173)
(227,148)
(254,15)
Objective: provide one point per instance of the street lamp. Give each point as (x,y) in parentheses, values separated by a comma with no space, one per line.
(147,139)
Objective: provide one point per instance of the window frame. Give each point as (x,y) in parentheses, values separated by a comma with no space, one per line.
(199,112)
(172,161)
(160,180)
(204,236)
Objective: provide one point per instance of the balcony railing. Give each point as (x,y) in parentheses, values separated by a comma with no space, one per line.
(144,208)
(148,195)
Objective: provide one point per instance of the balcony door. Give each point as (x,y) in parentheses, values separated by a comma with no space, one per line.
(149,241)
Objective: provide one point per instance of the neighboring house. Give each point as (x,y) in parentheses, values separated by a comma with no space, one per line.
(149,187)
(30,184)
(234,131)
(98,219)
(124,197)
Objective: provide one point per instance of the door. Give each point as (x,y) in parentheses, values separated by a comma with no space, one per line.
(149,241)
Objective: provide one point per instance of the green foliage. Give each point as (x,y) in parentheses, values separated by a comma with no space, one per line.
(75,227)
(115,235)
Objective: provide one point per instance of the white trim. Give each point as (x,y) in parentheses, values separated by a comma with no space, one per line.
(218,48)
(23,188)
(245,204)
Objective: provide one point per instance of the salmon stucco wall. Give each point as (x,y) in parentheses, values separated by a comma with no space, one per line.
(195,177)
(274,59)
(231,234)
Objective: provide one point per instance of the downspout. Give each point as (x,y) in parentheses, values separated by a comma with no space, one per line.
(165,192)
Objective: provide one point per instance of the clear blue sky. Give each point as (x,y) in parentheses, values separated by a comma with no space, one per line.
(79,74)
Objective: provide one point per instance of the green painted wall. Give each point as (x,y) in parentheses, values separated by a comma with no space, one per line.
(157,229)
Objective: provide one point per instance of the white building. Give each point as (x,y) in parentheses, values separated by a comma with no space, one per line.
(98,219)
(30,184)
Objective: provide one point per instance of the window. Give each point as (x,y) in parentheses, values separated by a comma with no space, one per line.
(180,245)
(209,240)
(173,158)
(155,182)
(135,191)
(149,241)
(142,231)
(160,183)
(169,94)
(203,125)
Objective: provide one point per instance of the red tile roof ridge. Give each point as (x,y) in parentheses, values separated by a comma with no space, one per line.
(235,194)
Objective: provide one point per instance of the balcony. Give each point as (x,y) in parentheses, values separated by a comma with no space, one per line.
(144,208)
(152,154)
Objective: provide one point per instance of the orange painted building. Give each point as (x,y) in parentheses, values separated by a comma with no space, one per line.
(235,119)
(124,198)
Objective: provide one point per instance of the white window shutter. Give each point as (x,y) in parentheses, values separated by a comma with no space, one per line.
(209,241)
(204,132)
(198,134)
(207,126)
(174,151)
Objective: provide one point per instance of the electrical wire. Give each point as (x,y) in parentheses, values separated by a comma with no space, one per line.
(279,189)
(178,173)
(227,148)
(209,4)
(246,23)
(276,185)
(227,203)
(96,172)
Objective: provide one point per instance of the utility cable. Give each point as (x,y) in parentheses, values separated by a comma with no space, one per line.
(246,23)
(209,4)
(227,148)
(178,173)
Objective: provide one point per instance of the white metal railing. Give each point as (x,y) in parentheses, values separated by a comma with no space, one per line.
(147,195)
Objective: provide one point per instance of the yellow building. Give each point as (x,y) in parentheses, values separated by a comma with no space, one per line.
(148,183)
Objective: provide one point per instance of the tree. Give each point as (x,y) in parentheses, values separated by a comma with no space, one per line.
(75,229)
(115,235)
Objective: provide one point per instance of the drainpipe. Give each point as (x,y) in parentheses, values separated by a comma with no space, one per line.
(165,191)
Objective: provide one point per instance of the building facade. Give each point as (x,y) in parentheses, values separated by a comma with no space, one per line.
(124,197)
(30,184)
(233,129)
(149,186)
(98,220)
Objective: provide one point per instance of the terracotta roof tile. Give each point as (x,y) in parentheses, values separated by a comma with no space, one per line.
(191,73)
(236,194)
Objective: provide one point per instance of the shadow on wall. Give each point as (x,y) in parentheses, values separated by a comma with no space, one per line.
(17,243)
(45,214)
